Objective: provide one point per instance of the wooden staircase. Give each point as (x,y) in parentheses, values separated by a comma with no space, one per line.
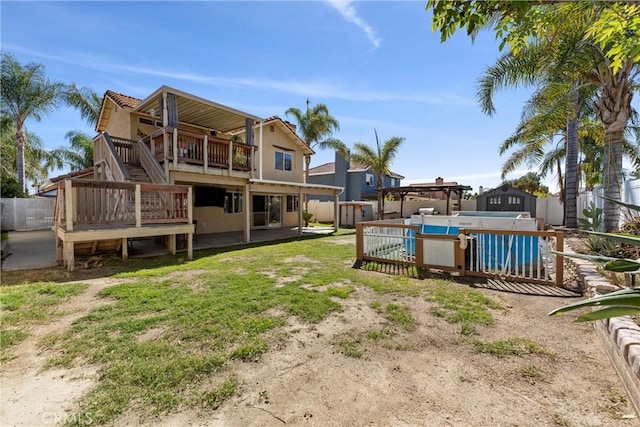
(138,175)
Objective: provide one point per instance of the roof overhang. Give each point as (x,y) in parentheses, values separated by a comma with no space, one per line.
(269,186)
(197,111)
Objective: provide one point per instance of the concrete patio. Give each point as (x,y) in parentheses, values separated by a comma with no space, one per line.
(37,249)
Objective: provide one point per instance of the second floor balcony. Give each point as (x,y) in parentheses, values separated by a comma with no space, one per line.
(173,147)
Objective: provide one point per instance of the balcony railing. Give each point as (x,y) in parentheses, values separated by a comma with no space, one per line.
(198,149)
(106,203)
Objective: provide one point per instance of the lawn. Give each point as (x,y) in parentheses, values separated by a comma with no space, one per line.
(180,337)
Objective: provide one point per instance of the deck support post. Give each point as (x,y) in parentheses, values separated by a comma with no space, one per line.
(175,149)
(559,258)
(359,241)
(336,211)
(300,220)
(172,243)
(59,250)
(69,253)
(247,213)
(125,249)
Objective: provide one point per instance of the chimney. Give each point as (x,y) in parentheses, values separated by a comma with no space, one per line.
(291,125)
(480,189)
(439,181)
(341,174)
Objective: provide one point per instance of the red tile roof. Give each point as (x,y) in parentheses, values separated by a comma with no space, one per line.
(123,100)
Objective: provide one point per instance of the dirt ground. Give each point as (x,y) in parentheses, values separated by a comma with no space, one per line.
(425,377)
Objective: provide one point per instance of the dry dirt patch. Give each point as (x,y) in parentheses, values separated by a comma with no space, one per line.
(34,396)
(427,375)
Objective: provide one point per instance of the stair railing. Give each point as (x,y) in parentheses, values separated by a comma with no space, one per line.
(150,165)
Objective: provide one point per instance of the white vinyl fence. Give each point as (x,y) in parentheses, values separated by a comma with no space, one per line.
(629,193)
(27,214)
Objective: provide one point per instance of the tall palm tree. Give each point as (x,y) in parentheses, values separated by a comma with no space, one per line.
(86,101)
(316,126)
(80,155)
(37,160)
(379,160)
(26,94)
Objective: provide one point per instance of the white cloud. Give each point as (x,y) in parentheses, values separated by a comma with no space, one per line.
(326,89)
(349,13)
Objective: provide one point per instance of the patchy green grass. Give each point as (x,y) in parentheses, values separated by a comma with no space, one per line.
(462,305)
(530,372)
(511,347)
(351,347)
(25,305)
(342,292)
(177,325)
(400,315)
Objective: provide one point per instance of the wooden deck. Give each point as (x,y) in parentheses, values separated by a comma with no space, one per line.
(109,213)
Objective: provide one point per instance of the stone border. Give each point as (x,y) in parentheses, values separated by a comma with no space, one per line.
(620,335)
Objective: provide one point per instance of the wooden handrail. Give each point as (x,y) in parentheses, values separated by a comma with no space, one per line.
(107,152)
(150,164)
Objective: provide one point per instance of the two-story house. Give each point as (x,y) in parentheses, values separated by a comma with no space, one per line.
(359,182)
(179,158)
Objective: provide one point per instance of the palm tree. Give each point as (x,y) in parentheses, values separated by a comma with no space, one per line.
(80,156)
(378,160)
(85,100)
(26,94)
(549,63)
(316,126)
(37,160)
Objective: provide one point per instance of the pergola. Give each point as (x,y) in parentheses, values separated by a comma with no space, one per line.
(447,189)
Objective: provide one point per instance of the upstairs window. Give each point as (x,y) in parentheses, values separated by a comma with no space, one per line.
(284,161)
(369,179)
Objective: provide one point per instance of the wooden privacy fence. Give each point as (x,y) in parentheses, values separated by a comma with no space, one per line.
(513,255)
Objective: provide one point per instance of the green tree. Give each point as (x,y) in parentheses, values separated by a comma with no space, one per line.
(26,95)
(316,126)
(530,183)
(379,160)
(37,160)
(80,155)
(86,101)
(608,31)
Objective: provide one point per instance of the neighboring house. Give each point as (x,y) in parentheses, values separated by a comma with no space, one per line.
(232,171)
(359,182)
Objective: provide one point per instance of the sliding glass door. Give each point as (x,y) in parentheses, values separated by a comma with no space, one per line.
(267,211)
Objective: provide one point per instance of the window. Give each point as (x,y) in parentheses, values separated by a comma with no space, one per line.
(495,200)
(292,203)
(146,121)
(284,161)
(392,182)
(514,200)
(369,179)
(233,203)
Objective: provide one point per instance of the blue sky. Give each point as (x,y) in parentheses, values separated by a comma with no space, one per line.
(374,64)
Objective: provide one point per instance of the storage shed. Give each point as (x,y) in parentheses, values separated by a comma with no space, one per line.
(353,212)
(507,199)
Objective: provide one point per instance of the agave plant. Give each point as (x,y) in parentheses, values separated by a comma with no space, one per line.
(619,303)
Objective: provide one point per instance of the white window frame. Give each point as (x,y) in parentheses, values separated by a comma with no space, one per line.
(284,156)
(368,179)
